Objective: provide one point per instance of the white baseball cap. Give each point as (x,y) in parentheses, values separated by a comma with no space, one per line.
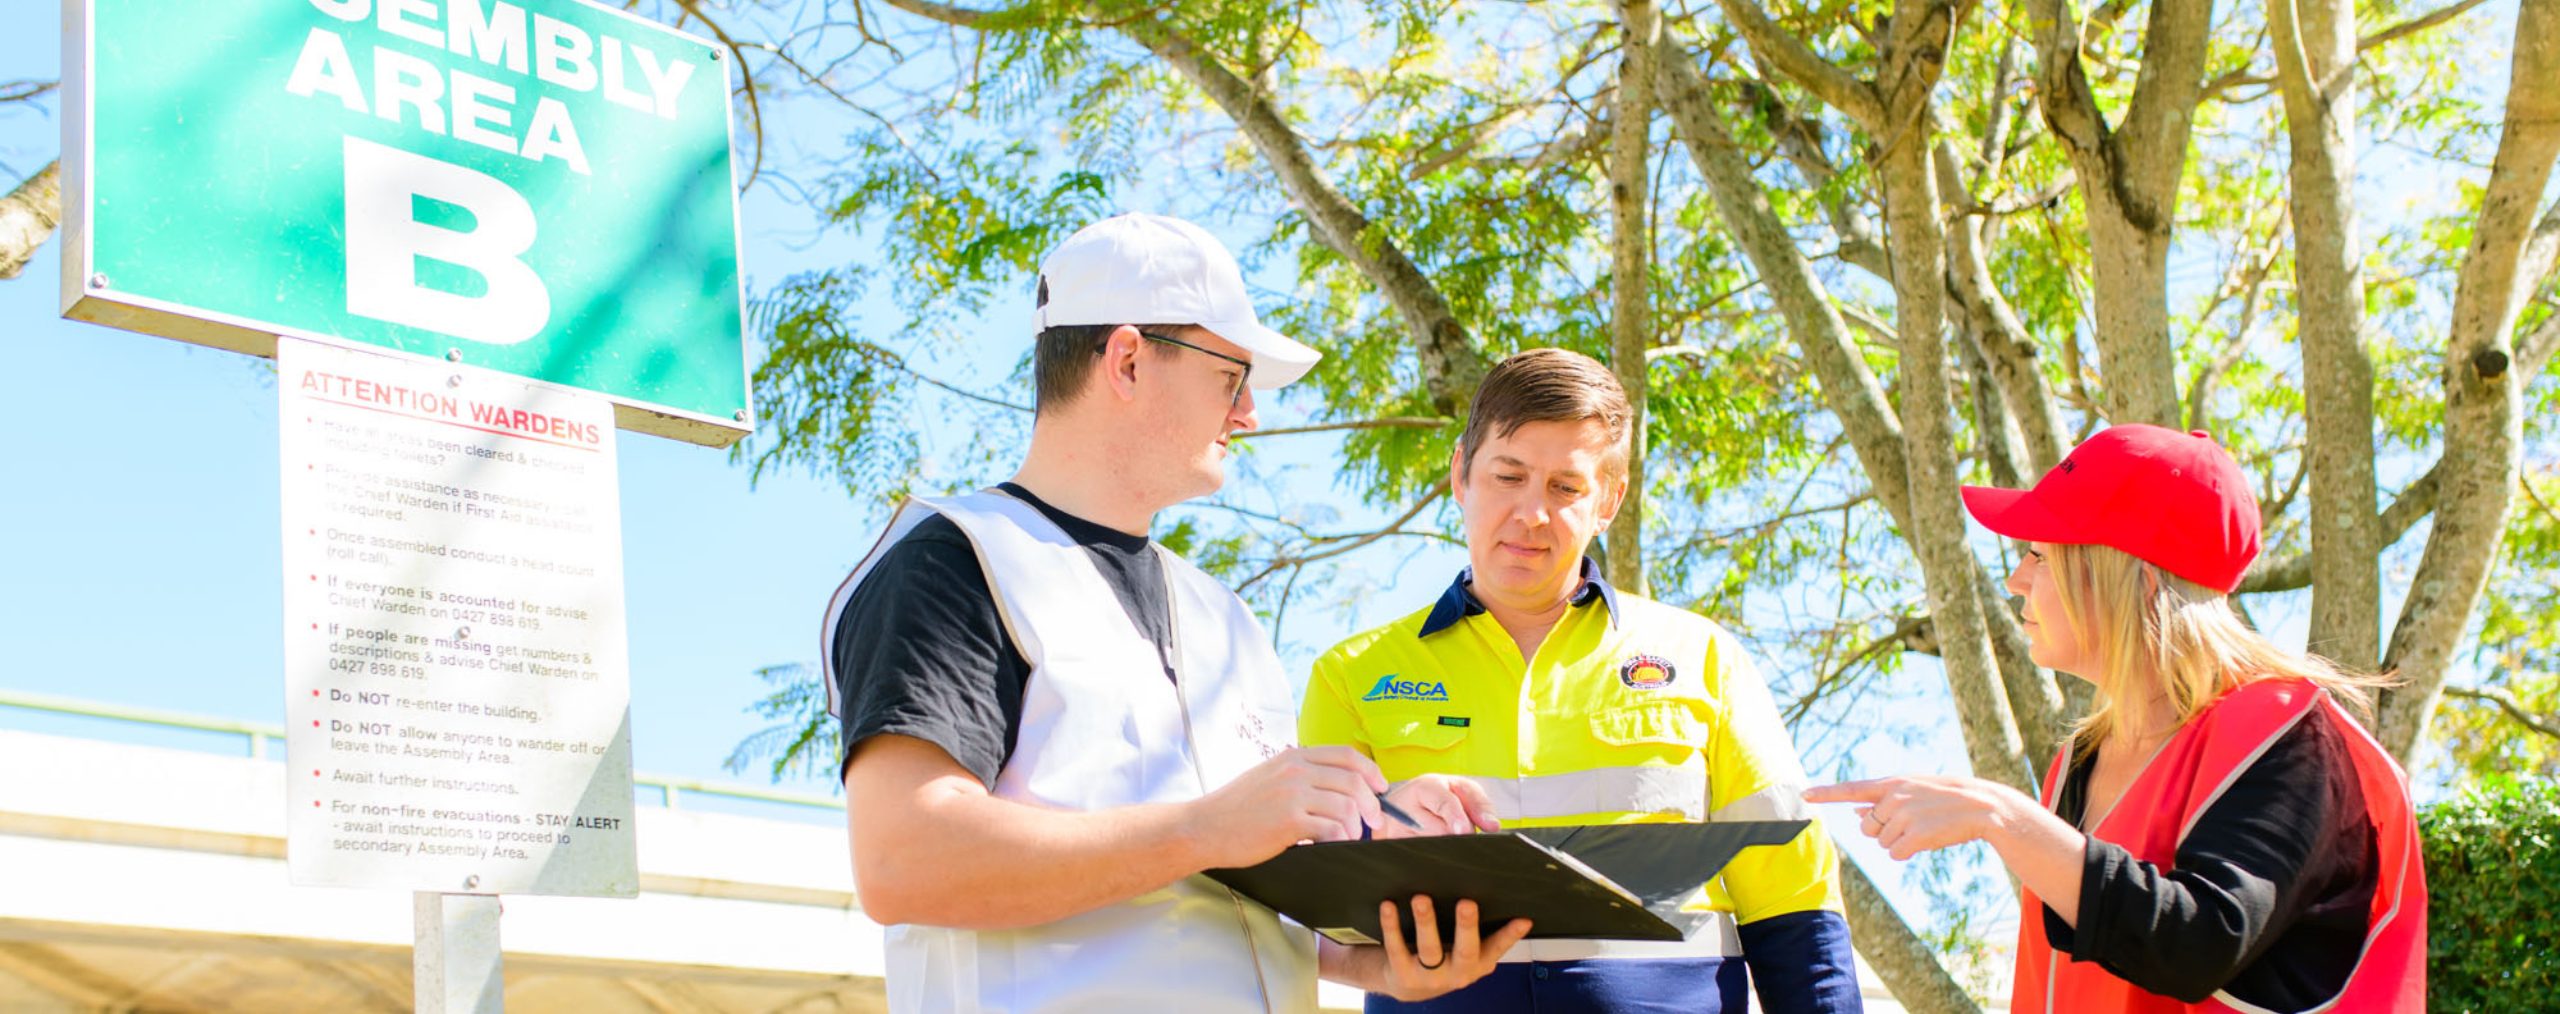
(1151,269)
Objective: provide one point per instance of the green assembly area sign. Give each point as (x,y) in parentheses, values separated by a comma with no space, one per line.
(539,187)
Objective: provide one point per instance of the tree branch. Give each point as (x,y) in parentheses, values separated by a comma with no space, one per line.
(1451,359)
(1788,55)
(2507,702)
(2008,350)
(2417,24)
(2062,84)
(2153,138)
(1350,543)
(1799,138)
(2541,251)
(1915,47)
(746,86)
(957,17)
(22,91)
(28,217)
(2314,42)
(2533,351)
(1910,633)
(2239,77)
(2293,571)
(1417,422)
(2247,279)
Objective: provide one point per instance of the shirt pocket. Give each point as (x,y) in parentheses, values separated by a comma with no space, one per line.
(1659,749)
(1669,730)
(1406,745)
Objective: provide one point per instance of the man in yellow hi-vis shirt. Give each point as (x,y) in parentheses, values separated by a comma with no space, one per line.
(1568,702)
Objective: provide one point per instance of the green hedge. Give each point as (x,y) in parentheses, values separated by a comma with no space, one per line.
(2493,899)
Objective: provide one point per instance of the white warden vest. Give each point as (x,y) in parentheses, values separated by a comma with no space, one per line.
(1102,727)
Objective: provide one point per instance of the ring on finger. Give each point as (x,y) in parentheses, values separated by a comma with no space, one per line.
(1444,959)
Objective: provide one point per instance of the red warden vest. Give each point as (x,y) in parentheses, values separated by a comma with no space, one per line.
(2191,771)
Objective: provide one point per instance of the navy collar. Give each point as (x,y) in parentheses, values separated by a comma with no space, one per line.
(1460,602)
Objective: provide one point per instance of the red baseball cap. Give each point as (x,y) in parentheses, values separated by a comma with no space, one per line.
(2176,500)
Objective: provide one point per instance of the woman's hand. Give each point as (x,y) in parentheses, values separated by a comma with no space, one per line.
(1911,814)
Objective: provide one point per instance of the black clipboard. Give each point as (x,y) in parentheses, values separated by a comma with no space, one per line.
(1599,881)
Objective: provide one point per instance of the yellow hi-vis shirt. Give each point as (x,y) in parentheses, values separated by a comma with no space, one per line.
(1631,711)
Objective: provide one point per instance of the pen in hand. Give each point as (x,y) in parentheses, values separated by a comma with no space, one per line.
(1397,814)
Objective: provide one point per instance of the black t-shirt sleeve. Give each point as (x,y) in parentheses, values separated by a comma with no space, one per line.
(2268,894)
(921,651)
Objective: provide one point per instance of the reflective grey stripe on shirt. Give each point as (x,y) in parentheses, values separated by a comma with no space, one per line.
(1646,788)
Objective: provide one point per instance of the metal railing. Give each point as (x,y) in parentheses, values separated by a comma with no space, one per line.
(671,791)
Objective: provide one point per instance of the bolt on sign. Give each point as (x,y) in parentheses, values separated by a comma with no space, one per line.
(541,188)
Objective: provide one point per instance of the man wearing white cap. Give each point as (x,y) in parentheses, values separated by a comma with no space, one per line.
(1052,724)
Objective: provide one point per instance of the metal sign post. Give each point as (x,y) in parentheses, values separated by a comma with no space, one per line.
(458,967)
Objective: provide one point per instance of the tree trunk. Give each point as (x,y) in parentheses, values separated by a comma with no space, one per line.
(28,216)
(2482,428)
(1916,42)
(1996,436)
(2129,293)
(1631,269)
(2006,347)
(2315,44)
(2128,182)
(1904,961)
(2043,712)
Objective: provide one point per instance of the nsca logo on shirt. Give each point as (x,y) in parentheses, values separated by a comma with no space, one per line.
(1390,688)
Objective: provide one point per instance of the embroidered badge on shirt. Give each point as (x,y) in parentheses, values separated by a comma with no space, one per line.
(1647,672)
(1389,688)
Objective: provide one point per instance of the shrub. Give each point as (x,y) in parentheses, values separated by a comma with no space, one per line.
(2493,892)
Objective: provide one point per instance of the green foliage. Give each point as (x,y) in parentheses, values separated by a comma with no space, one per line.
(2518,650)
(800,739)
(1970,914)
(2493,880)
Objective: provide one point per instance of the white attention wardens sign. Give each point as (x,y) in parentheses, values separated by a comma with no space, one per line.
(456,664)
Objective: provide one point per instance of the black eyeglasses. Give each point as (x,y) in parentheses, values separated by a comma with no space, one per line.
(1235,394)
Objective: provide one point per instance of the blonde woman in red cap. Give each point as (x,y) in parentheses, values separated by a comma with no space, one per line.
(2219,834)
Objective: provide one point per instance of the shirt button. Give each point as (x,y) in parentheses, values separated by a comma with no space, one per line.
(1540,971)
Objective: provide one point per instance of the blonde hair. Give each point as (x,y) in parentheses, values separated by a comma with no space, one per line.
(2150,631)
